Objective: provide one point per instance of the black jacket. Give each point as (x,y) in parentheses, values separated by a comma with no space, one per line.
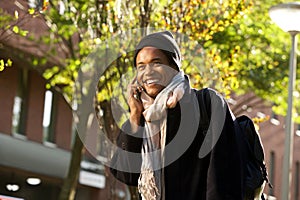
(216,176)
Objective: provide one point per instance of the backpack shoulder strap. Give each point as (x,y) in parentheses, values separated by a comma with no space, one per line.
(203,98)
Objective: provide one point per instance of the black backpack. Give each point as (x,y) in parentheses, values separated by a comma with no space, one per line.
(255,171)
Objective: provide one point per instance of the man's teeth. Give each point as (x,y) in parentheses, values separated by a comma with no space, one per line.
(151,81)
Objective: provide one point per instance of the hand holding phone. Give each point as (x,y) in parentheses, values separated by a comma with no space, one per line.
(134,102)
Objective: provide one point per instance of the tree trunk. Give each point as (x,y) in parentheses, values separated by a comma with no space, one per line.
(68,190)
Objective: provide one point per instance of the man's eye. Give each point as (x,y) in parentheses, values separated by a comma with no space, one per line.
(141,67)
(156,63)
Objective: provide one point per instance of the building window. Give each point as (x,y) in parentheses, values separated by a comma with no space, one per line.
(49,117)
(297,181)
(20,104)
(274,119)
(271,172)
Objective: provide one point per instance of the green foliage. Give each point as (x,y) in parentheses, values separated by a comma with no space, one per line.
(244,50)
(265,58)
(82,29)
(205,22)
(5,19)
(202,22)
(239,48)
(8,22)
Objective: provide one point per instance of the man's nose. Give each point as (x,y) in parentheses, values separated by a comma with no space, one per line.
(149,69)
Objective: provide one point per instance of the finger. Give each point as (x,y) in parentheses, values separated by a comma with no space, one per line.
(136,96)
(140,88)
(131,89)
(133,94)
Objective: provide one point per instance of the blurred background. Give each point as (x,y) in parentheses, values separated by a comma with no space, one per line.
(62,62)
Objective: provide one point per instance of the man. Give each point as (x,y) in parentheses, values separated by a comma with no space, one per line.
(175,145)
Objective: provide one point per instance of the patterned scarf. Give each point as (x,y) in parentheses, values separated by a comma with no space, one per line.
(151,180)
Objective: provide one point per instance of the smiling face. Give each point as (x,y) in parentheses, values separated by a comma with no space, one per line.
(154,72)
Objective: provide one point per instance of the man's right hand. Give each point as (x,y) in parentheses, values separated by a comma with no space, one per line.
(135,105)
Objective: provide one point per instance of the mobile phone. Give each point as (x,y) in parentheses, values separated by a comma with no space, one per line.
(137,95)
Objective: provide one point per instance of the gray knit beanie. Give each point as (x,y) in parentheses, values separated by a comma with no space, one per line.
(163,41)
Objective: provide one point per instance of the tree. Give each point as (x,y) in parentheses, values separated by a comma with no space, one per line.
(238,51)
(247,49)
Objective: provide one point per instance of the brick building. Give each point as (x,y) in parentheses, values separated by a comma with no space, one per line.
(33,146)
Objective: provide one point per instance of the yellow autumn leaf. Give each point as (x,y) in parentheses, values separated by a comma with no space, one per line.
(16,29)
(9,63)
(31,11)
